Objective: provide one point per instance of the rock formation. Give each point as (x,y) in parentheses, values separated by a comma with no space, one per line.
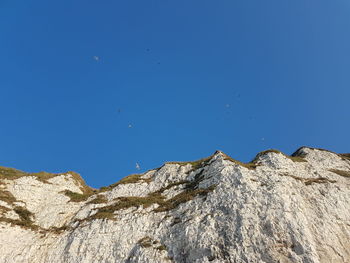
(278,208)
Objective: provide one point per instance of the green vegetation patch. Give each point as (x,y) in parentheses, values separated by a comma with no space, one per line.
(131,179)
(203,162)
(298,153)
(294,158)
(21,223)
(23,213)
(58,230)
(107,214)
(170,185)
(195,164)
(345,156)
(87,190)
(4,208)
(127,202)
(183,197)
(25,220)
(310,181)
(99,199)
(7,197)
(161,248)
(341,172)
(251,165)
(191,191)
(318,180)
(147,242)
(11,173)
(77,197)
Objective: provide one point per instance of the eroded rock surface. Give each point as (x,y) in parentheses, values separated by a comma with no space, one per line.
(278,208)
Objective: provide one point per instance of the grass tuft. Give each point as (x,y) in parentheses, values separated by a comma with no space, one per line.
(161,248)
(100,199)
(7,197)
(25,220)
(310,181)
(147,242)
(58,230)
(183,197)
(23,213)
(20,223)
(251,165)
(4,208)
(195,164)
(76,197)
(131,179)
(341,172)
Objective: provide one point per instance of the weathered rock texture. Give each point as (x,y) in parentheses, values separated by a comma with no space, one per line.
(277,208)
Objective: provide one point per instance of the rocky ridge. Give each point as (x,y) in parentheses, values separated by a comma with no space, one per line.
(278,208)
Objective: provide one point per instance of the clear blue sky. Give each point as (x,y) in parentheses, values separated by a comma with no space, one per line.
(96,86)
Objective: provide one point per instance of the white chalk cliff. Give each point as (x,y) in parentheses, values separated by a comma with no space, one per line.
(278,208)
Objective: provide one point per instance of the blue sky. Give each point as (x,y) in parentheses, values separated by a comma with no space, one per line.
(98,86)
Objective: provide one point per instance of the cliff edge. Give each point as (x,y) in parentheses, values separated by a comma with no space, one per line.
(277,208)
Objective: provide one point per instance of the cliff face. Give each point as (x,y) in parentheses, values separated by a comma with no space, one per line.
(276,209)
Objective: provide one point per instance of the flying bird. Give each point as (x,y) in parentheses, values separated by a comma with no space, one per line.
(138,166)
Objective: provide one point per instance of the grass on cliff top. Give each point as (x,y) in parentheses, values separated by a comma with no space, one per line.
(11,173)
(195,164)
(291,157)
(297,152)
(251,165)
(203,162)
(345,156)
(83,186)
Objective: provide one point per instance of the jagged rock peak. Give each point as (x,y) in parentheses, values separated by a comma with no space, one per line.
(276,208)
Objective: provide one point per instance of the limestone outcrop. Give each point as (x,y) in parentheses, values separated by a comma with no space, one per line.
(278,208)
